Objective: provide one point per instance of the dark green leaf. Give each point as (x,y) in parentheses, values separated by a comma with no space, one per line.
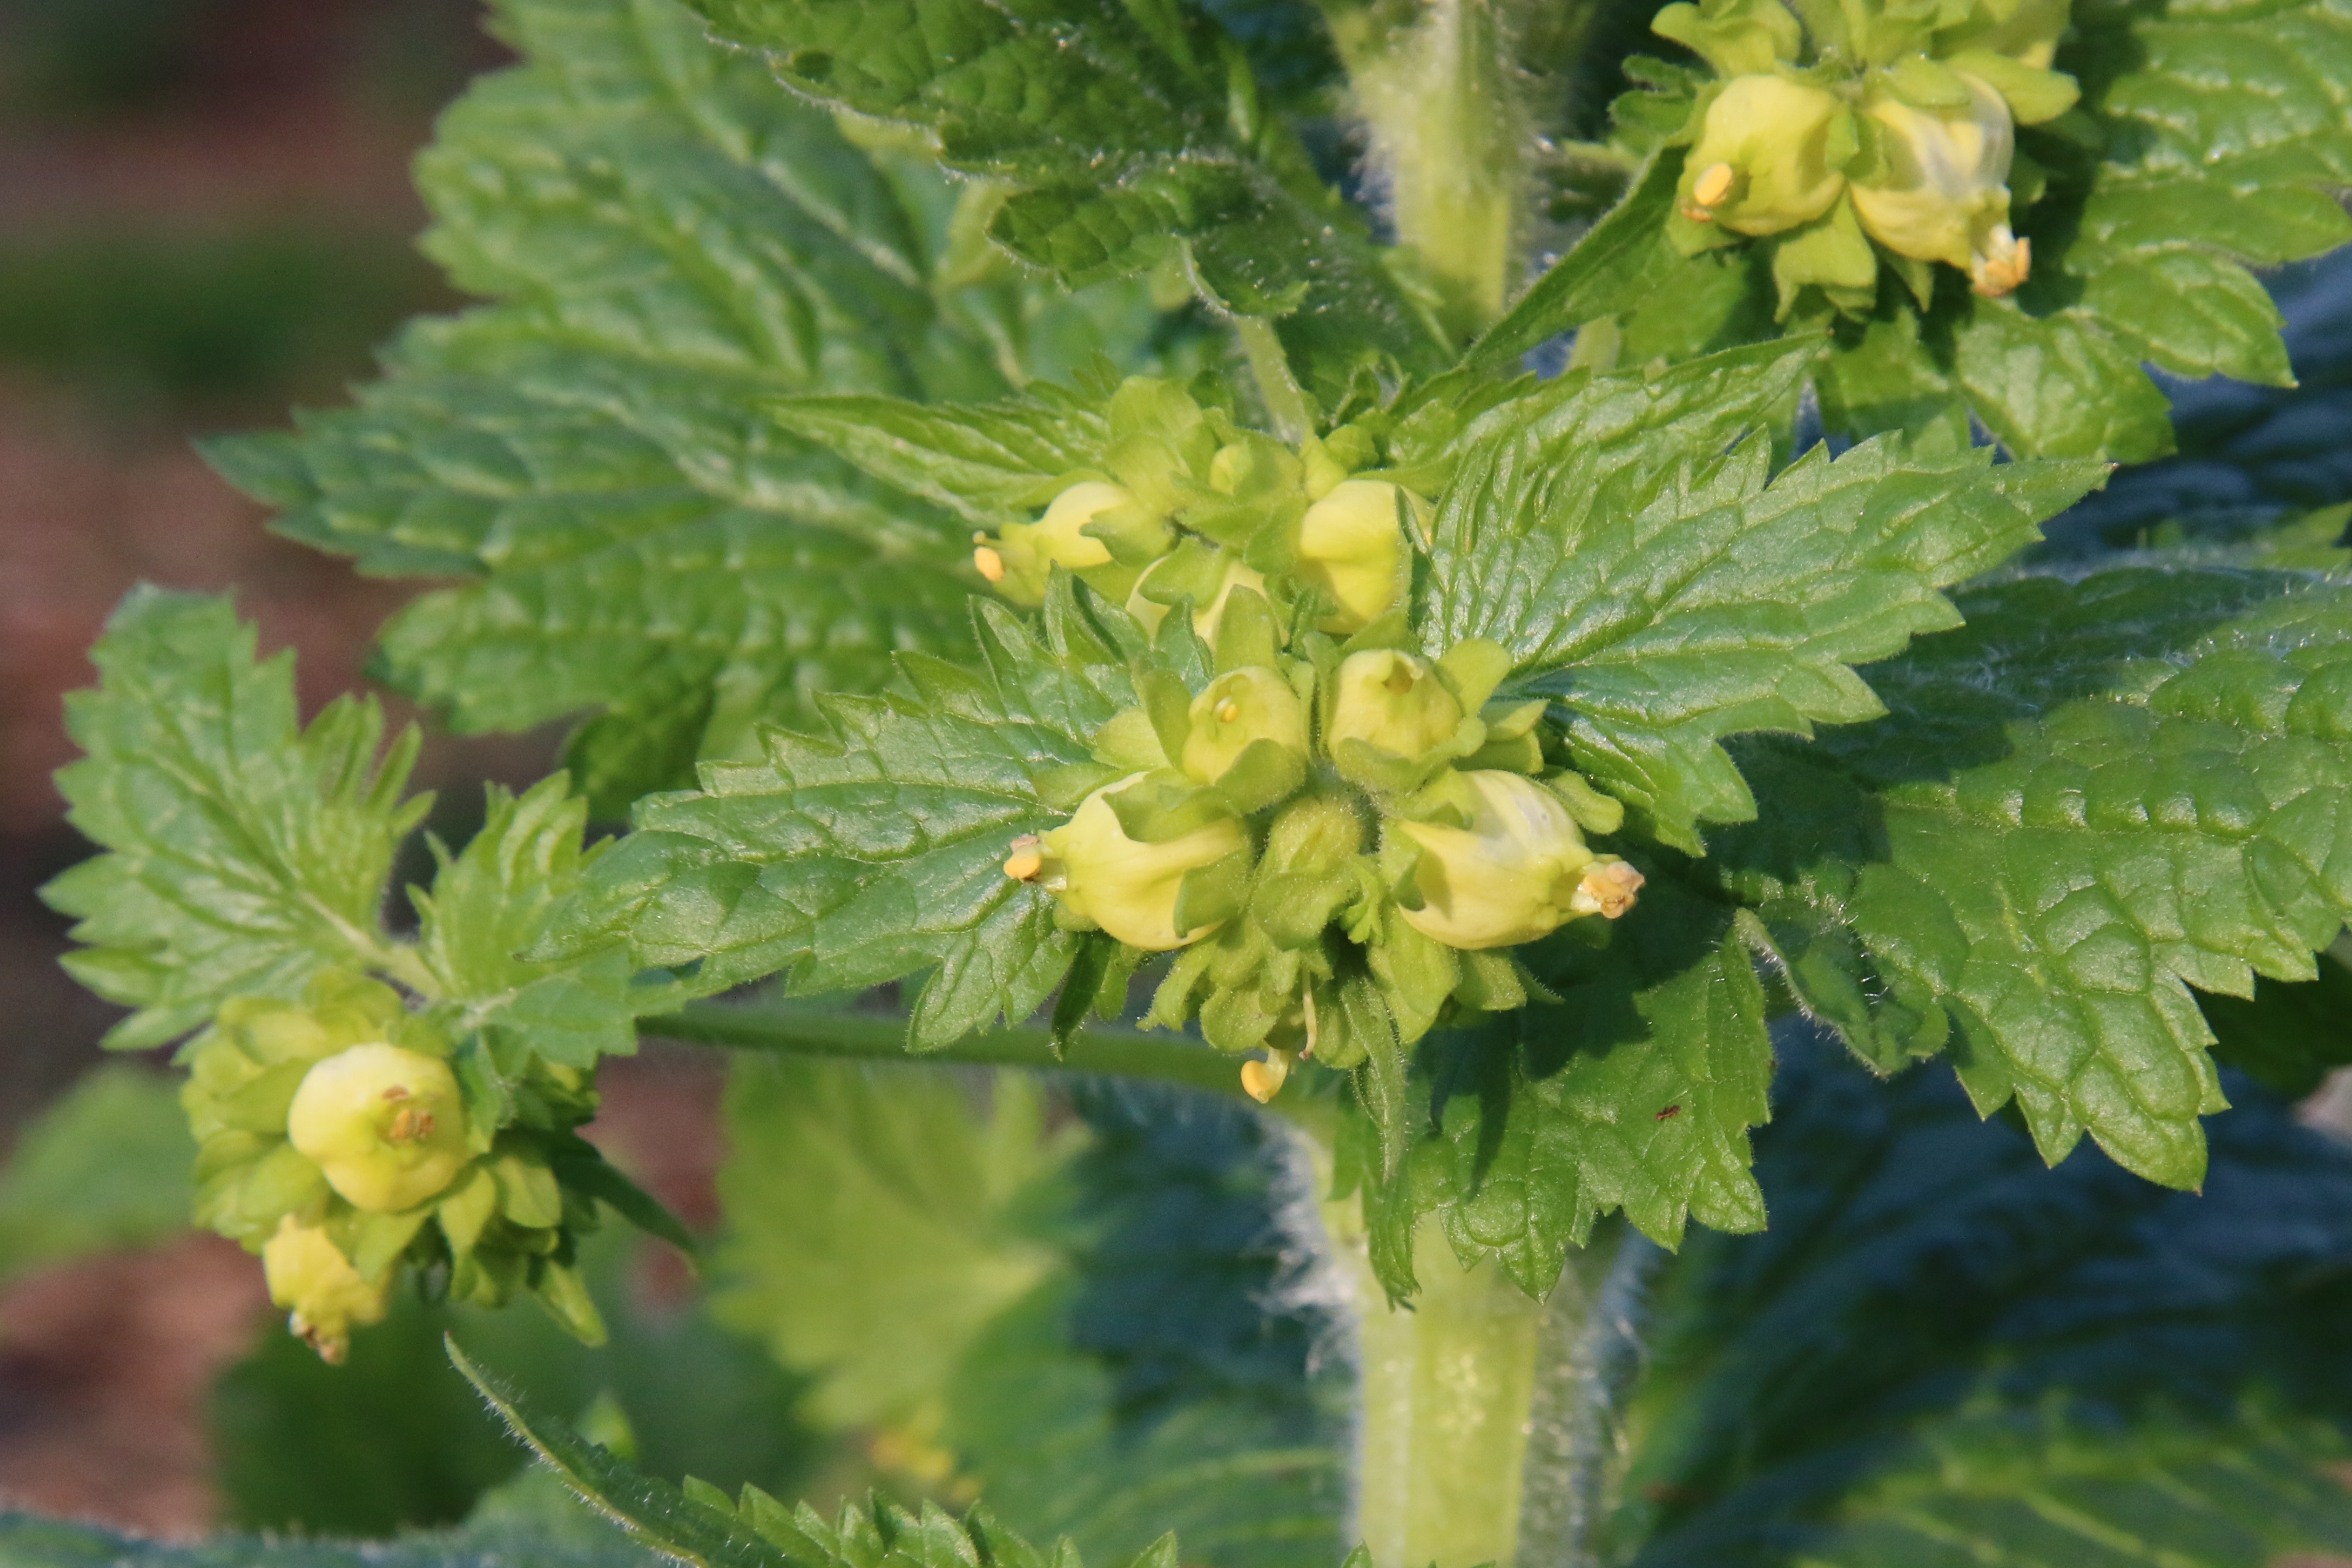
(1128,133)
(2097,795)
(1636,1091)
(1613,269)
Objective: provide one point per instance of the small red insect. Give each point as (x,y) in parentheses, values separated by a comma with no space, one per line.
(1670,1112)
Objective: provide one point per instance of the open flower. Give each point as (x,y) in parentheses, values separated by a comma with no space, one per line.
(324,1296)
(1515,873)
(1393,703)
(1771,156)
(1128,887)
(1235,710)
(385,1126)
(1940,191)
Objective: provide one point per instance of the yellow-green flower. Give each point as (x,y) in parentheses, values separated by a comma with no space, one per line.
(385,1126)
(324,1296)
(1939,190)
(1236,710)
(1126,887)
(1770,155)
(1206,617)
(1351,547)
(1515,873)
(1394,703)
(1022,558)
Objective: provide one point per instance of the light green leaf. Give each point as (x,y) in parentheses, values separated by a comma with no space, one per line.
(1613,269)
(493,900)
(2144,788)
(989,464)
(873,1224)
(874,849)
(245,854)
(2057,385)
(1667,598)
(1133,137)
(105,1167)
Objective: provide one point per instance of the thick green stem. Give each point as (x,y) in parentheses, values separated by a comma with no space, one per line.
(1489,1431)
(819,1032)
(1449,139)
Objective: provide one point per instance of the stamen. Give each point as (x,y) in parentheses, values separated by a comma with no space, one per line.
(988,563)
(1713,185)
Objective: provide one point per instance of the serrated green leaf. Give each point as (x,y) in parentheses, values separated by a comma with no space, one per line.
(1131,137)
(990,463)
(874,1224)
(1612,269)
(874,849)
(1636,1091)
(1665,598)
(2057,385)
(2149,795)
(493,900)
(2043,1491)
(650,1511)
(245,854)
(677,241)
(1935,1322)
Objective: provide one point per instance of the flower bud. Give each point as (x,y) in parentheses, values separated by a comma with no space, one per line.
(385,1125)
(1128,888)
(1393,702)
(1020,560)
(1514,873)
(1939,191)
(1770,156)
(1351,546)
(324,1295)
(1209,612)
(1238,709)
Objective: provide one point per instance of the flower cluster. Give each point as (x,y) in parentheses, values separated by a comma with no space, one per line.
(1344,838)
(1187,506)
(1873,124)
(334,1139)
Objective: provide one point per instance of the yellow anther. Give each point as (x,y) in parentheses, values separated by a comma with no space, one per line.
(1610,886)
(1026,860)
(988,563)
(2003,267)
(1228,711)
(1714,185)
(1262,1081)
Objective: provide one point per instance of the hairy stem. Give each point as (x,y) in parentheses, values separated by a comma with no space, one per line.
(821,1031)
(1449,144)
(1489,1430)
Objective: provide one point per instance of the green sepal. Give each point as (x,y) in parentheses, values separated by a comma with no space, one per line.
(1211,894)
(1266,774)
(1160,807)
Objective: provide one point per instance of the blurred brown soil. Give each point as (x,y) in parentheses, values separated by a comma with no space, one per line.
(105,1364)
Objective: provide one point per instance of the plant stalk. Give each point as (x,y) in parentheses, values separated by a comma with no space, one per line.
(823,1031)
(1489,1430)
(1450,141)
